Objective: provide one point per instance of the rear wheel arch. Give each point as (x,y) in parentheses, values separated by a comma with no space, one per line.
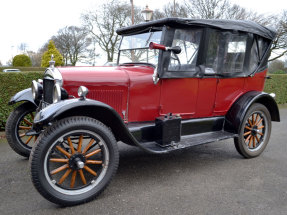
(234,117)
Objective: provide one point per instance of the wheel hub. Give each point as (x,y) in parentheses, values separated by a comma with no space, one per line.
(77,161)
(254,130)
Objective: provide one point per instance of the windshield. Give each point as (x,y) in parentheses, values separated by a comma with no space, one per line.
(135,48)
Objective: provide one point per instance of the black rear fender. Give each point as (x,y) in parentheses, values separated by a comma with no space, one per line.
(238,110)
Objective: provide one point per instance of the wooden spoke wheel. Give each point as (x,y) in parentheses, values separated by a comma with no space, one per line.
(254,132)
(74,160)
(19,122)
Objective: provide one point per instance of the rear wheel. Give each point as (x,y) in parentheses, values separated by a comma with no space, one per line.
(18,123)
(74,160)
(255,131)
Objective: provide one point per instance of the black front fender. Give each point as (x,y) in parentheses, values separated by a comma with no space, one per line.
(90,108)
(236,113)
(24,95)
(57,110)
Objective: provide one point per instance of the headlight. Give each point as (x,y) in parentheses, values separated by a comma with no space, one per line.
(37,90)
(56,93)
(82,92)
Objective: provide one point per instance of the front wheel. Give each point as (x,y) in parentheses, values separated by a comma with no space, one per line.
(18,123)
(255,131)
(74,160)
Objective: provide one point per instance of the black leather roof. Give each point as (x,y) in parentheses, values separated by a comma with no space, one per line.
(238,25)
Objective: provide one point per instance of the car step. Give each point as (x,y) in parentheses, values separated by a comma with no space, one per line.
(188,141)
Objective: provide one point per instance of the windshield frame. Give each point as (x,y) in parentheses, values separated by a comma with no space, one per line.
(142,48)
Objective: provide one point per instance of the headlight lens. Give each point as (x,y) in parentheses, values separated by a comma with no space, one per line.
(37,90)
(56,93)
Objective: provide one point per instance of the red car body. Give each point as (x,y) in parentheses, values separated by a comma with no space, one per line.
(130,90)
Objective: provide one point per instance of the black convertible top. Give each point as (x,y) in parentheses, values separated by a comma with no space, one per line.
(239,25)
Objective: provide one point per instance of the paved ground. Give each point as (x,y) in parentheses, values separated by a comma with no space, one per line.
(206,179)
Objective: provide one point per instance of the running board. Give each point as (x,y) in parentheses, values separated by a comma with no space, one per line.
(188,141)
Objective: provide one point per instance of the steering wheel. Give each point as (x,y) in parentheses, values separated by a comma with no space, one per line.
(176,58)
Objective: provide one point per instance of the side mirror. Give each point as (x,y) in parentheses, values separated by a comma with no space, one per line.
(175,49)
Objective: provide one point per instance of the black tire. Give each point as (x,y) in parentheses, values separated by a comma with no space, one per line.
(254,132)
(69,144)
(18,123)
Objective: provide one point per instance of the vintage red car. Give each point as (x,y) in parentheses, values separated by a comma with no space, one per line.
(178,83)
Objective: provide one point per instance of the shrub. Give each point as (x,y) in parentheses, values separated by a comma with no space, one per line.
(52,50)
(279,72)
(21,60)
(277,85)
(11,83)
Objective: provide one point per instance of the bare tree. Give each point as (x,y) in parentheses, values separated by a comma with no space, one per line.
(175,10)
(36,58)
(23,47)
(73,43)
(207,9)
(103,22)
(279,47)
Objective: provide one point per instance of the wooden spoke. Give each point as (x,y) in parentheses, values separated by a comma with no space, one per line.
(63,151)
(82,176)
(71,145)
(254,142)
(32,116)
(25,127)
(260,133)
(27,121)
(253,122)
(93,162)
(247,139)
(250,122)
(250,142)
(259,121)
(59,160)
(29,139)
(80,143)
(22,135)
(248,132)
(65,176)
(90,170)
(93,153)
(35,138)
(261,127)
(256,119)
(258,141)
(73,179)
(88,146)
(248,128)
(61,168)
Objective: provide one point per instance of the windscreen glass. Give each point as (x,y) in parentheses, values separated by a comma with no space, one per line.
(135,48)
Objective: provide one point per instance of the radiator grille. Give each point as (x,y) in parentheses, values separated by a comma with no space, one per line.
(114,98)
(48,86)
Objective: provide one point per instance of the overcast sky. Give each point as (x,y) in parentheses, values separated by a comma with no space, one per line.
(34,21)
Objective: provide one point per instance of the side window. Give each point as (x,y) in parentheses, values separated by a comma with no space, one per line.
(188,41)
(225,53)
(258,50)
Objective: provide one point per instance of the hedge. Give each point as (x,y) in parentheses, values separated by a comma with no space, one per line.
(278,85)
(25,69)
(11,83)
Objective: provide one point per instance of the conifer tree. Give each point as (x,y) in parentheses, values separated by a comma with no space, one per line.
(52,50)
